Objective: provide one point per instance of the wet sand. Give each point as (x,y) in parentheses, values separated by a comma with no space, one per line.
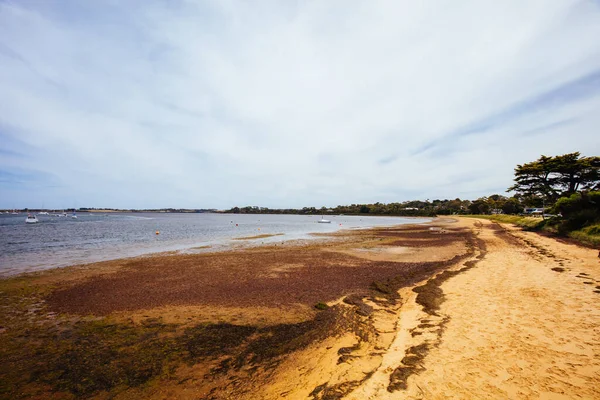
(468,309)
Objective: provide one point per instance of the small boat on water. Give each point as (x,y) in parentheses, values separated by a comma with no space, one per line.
(43,213)
(74,216)
(31,219)
(323,220)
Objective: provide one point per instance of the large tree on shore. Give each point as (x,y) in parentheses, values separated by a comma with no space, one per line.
(553,177)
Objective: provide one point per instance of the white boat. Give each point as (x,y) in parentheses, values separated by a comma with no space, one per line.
(74,216)
(324,221)
(31,219)
(43,213)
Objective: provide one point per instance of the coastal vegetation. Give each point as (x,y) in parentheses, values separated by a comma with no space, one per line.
(588,235)
(565,188)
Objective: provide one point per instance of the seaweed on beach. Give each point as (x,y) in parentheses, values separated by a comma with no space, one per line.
(91,356)
(334,392)
(411,363)
(274,341)
(82,351)
(213,340)
(87,356)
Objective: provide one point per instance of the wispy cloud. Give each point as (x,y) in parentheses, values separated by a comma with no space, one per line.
(557,98)
(218,103)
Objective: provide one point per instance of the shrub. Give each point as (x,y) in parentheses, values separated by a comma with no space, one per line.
(578,210)
(593,230)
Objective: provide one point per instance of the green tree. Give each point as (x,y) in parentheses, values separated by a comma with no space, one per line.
(553,177)
(512,206)
(480,206)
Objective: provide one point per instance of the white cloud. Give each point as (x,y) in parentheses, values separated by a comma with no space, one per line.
(215,104)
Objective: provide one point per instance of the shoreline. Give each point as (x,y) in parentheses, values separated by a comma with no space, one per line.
(217,245)
(395,305)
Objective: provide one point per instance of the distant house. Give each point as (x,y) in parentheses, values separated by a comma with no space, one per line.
(411,209)
(533,211)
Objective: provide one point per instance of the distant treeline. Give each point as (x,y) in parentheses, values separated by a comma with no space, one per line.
(409,208)
(567,185)
(416,208)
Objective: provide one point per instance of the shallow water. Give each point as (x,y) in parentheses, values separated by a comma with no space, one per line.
(61,241)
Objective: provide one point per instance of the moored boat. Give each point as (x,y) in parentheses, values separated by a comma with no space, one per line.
(31,219)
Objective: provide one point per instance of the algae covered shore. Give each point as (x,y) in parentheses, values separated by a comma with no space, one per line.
(368,315)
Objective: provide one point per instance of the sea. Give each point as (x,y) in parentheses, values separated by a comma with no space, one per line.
(62,241)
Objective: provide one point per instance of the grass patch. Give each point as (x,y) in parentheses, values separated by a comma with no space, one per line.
(589,235)
(528,223)
(321,306)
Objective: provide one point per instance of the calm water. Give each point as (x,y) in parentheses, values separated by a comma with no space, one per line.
(62,241)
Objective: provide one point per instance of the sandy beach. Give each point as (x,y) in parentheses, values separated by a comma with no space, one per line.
(457,308)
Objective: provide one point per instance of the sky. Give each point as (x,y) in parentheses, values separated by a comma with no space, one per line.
(213,104)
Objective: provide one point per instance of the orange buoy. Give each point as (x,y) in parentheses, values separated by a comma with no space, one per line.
(157,232)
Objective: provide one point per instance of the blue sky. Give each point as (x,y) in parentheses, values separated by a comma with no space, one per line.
(287,104)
